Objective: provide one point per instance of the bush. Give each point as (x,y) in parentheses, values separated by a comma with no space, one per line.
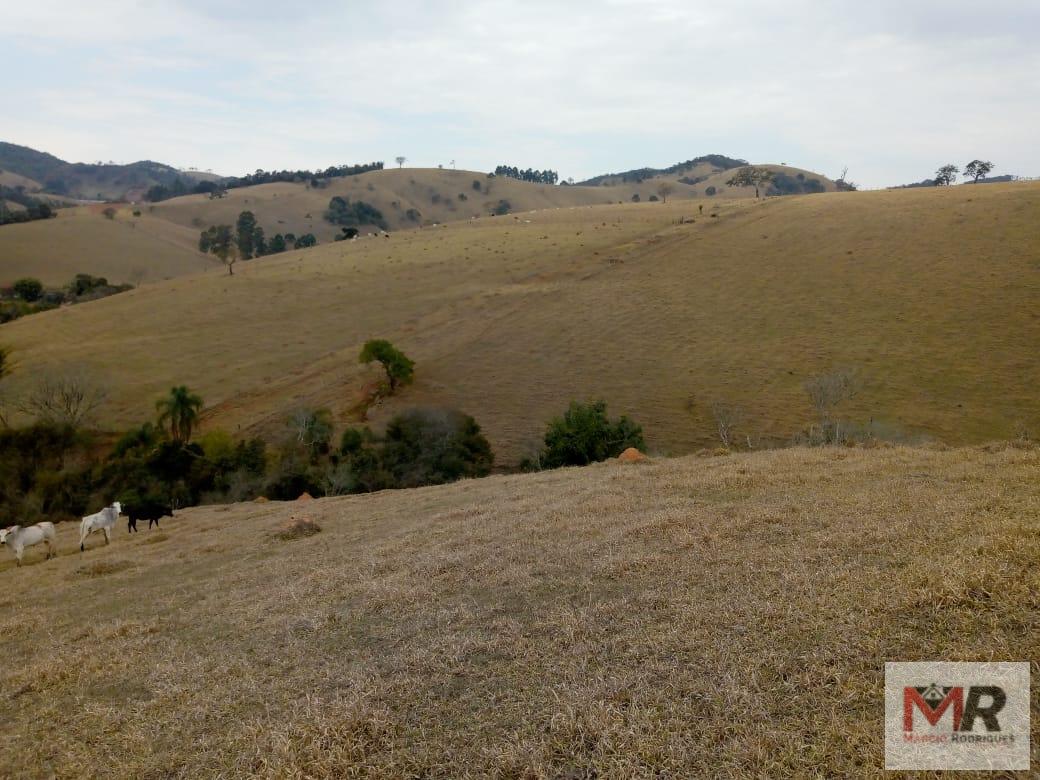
(28,289)
(502,208)
(710,191)
(584,435)
(654,198)
(433,446)
(342,211)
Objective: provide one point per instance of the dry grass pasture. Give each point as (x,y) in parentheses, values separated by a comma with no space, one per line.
(723,617)
(929,294)
(438,195)
(82,240)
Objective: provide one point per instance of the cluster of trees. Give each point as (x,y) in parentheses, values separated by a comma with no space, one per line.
(332,172)
(528,174)
(58,468)
(29,295)
(785,184)
(975,170)
(343,211)
(32,208)
(247,240)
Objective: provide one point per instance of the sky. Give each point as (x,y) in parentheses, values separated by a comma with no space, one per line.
(889,89)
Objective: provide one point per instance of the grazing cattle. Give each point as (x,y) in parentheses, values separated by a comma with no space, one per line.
(100,521)
(18,538)
(146,510)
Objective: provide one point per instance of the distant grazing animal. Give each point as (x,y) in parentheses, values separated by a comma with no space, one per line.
(100,521)
(18,538)
(146,510)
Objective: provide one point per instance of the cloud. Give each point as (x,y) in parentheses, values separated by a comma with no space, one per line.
(890,89)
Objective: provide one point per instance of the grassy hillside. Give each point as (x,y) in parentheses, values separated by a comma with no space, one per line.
(82,240)
(644,620)
(432,195)
(929,294)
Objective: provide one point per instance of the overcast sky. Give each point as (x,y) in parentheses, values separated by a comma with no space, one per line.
(890,88)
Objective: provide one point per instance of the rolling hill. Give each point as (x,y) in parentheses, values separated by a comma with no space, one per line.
(412,197)
(41,171)
(648,620)
(81,240)
(928,294)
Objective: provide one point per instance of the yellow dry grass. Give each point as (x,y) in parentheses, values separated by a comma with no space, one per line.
(929,294)
(82,240)
(434,193)
(723,617)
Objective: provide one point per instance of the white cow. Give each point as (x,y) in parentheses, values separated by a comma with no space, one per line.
(18,538)
(99,521)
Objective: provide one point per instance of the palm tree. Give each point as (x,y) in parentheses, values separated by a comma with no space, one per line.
(181,410)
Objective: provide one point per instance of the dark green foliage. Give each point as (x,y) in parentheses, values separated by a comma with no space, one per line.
(347,233)
(333,171)
(245,228)
(653,198)
(25,298)
(179,412)
(34,208)
(710,191)
(342,211)
(477,185)
(433,446)
(173,189)
(584,434)
(28,289)
(946,175)
(219,240)
(38,472)
(277,244)
(399,369)
(502,208)
(782,184)
(977,169)
(304,241)
(635,198)
(528,174)
(413,215)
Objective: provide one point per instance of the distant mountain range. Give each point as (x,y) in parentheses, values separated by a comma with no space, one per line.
(42,172)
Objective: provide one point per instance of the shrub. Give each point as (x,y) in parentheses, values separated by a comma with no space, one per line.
(433,446)
(477,185)
(502,208)
(342,211)
(28,289)
(654,198)
(710,191)
(110,213)
(635,198)
(584,434)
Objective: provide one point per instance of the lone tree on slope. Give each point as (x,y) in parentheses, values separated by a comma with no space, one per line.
(946,175)
(400,161)
(978,169)
(399,369)
(219,240)
(664,189)
(750,176)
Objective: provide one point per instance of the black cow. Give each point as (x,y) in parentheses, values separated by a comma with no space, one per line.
(145,510)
